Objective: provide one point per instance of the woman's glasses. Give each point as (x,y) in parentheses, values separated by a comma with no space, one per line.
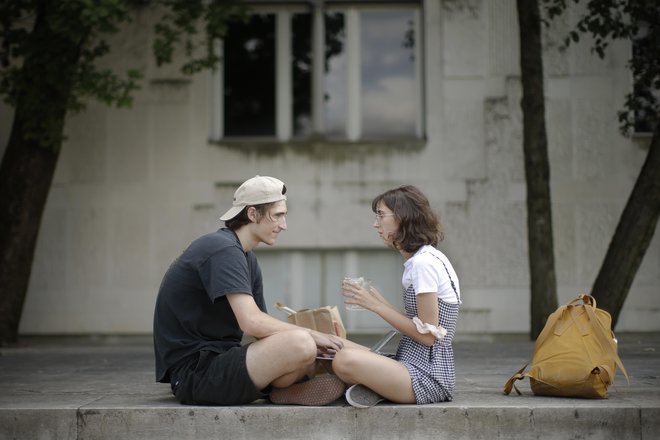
(380,215)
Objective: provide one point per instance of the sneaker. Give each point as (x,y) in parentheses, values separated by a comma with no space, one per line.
(360,396)
(318,391)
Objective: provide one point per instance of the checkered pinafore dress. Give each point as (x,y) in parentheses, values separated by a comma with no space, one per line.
(431,368)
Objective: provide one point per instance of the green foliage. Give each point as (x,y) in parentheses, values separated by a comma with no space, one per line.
(49,52)
(47,59)
(181,25)
(633,20)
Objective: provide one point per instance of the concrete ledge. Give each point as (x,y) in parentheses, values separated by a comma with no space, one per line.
(36,423)
(98,391)
(586,421)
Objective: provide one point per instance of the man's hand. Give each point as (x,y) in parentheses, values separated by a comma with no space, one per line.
(327,344)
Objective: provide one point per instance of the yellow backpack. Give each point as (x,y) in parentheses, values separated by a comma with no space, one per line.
(575,355)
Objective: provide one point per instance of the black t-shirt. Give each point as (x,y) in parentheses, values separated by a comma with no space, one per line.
(192,312)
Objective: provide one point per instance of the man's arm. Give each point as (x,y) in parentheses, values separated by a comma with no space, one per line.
(256,323)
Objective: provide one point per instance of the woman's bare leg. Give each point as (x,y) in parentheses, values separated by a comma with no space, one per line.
(383,375)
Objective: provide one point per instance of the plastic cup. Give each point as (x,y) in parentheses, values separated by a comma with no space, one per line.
(360,282)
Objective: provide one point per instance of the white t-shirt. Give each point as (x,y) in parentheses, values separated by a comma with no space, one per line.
(426,272)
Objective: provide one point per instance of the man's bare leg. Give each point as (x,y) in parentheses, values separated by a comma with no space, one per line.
(281,359)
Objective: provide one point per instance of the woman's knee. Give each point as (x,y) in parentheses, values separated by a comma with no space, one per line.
(345,362)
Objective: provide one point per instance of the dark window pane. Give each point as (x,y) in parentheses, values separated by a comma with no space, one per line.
(389,100)
(334,70)
(249,74)
(301,26)
(335,75)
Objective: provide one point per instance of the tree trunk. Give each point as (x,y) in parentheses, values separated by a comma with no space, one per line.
(25,178)
(632,236)
(537,169)
(29,163)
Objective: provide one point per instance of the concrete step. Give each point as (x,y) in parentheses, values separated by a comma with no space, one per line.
(103,388)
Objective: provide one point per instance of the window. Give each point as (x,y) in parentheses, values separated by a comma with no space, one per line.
(249,94)
(321,70)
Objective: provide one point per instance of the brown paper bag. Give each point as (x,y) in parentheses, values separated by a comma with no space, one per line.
(322,319)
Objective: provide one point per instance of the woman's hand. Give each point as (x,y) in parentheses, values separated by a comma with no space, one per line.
(369,298)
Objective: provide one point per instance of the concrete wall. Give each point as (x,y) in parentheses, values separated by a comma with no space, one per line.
(134,187)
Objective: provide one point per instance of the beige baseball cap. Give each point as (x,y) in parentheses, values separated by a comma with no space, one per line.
(255,191)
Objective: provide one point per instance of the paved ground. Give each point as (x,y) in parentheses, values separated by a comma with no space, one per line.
(103,388)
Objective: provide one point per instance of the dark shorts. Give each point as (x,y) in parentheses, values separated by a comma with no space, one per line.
(210,378)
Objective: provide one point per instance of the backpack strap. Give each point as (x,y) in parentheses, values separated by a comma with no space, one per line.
(605,373)
(549,326)
(605,341)
(510,383)
(547,329)
(575,313)
(600,332)
(603,335)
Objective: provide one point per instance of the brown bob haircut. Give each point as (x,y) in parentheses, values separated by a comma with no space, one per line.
(418,223)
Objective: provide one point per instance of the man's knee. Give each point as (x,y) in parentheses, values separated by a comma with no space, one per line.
(281,359)
(301,345)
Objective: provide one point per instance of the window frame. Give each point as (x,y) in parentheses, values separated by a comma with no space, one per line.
(284,12)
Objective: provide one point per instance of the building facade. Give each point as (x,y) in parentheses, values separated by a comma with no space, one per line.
(342,100)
